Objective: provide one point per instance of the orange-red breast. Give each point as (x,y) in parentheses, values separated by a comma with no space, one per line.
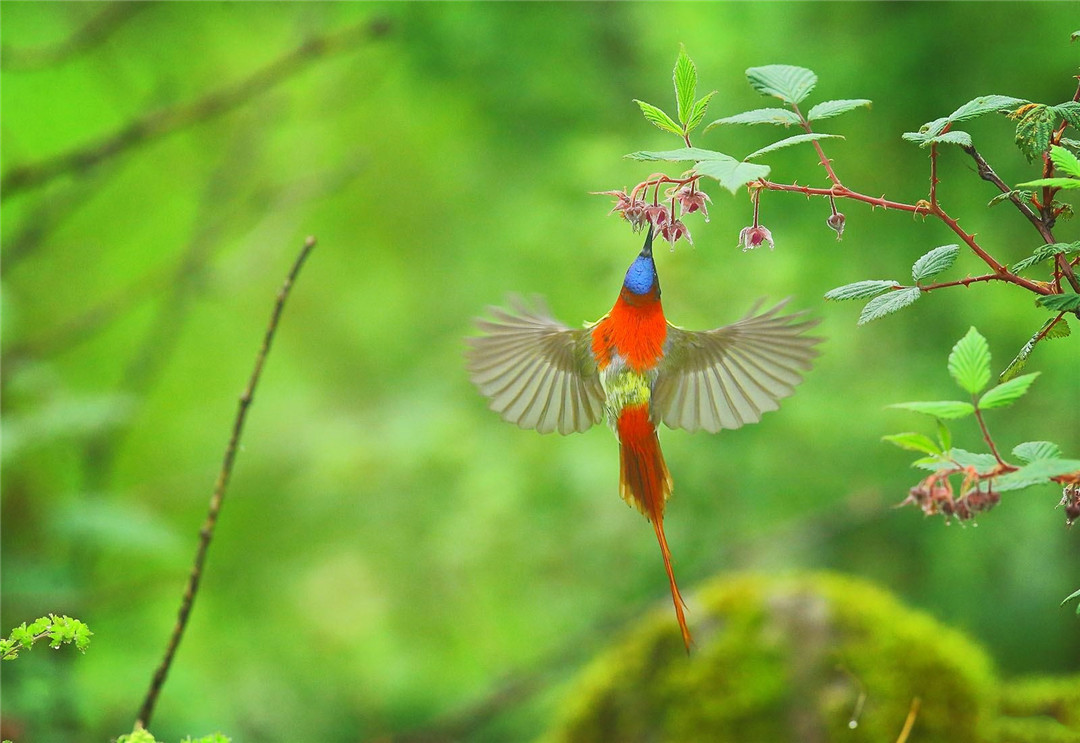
(637,370)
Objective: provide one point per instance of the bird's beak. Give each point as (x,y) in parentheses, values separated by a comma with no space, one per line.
(646,250)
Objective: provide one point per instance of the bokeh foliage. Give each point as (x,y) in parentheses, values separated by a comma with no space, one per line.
(390,552)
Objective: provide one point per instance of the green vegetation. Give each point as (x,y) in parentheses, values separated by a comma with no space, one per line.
(393,561)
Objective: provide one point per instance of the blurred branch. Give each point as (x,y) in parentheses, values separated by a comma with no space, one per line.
(164,121)
(206,533)
(90,34)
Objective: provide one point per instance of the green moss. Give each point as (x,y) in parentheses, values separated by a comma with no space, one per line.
(786,659)
(1039,710)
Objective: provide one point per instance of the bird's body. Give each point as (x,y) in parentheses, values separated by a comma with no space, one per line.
(634,369)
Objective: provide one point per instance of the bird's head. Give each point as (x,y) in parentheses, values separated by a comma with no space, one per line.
(641,277)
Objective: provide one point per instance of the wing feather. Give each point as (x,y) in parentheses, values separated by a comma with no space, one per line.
(728,377)
(537,372)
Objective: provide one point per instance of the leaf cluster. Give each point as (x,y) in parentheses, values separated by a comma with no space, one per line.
(141,735)
(983,472)
(58,630)
(788,83)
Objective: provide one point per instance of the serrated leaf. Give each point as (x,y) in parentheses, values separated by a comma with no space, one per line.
(860,290)
(828,109)
(945,409)
(1060,302)
(927,130)
(934,262)
(1052,328)
(1029,451)
(982,463)
(781,116)
(1021,195)
(1036,473)
(984,105)
(683,154)
(788,83)
(789,141)
(913,442)
(1070,111)
(1052,183)
(955,136)
(888,303)
(731,173)
(685,78)
(969,362)
(1007,393)
(658,117)
(698,112)
(1045,252)
(944,436)
(1033,130)
(1064,160)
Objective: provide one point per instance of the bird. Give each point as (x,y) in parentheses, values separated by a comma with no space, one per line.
(636,370)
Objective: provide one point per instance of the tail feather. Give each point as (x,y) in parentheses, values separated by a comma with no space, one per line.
(644,482)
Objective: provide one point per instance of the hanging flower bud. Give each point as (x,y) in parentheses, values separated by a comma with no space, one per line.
(836,222)
(693,199)
(632,210)
(752,237)
(658,214)
(673,230)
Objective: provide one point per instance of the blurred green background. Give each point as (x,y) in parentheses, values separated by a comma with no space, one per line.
(392,558)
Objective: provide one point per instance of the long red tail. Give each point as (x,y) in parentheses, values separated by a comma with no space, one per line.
(644,482)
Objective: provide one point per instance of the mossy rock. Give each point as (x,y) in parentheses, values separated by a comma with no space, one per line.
(799,659)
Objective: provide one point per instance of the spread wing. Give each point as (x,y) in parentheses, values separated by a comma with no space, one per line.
(730,376)
(538,372)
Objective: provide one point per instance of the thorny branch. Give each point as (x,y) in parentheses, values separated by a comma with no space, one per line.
(206,533)
(164,121)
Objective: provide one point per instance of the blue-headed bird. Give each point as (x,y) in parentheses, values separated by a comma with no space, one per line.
(636,370)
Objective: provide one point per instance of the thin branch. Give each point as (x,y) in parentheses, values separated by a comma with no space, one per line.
(913,712)
(164,121)
(842,192)
(218,496)
(100,26)
(987,174)
(825,161)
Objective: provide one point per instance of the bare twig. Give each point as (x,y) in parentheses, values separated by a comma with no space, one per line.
(84,38)
(163,121)
(218,496)
(913,712)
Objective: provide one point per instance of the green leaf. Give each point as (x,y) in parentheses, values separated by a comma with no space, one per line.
(1075,594)
(1029,451)
(685,77)
(1060,302)
(1055,327)
(926,131)
(731,173)
(1038,472)
(913,442)
(828,109)
(946,409)
(659,118)
(944,435)
(1033,130)
(984,105)
(861,289)
(982,463)
(786,82)
(1022,195)
(1007,393)
(698,112)
(969,362)
(1045,252)
(888,303)
(934,262)
(788,141)
(955,136)
(1052,183)
(1069,111)
(683,154)
(780,116)
(1064,160)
